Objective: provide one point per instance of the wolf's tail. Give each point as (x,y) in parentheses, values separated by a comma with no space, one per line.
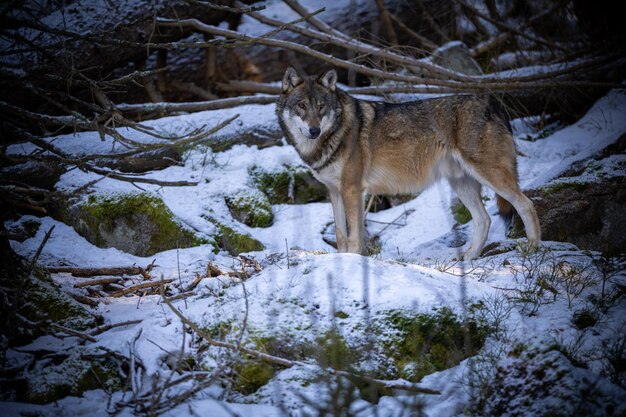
(506,212)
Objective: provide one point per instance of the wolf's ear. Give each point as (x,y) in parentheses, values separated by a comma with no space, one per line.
(329,79)
(290,80)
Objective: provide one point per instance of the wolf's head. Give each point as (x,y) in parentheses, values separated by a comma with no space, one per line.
(308,106)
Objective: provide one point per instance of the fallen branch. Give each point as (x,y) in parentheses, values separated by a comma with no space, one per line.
(85,300)
(181,296)
(141,286)
(94,272)
(95,282)
(196,106)
(33,261)
(47,325)
(106,327)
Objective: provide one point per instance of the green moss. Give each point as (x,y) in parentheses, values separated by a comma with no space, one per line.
(251,208)
(252,375)
(45,301)
(233,242)
(341,315)
(334,352)
(560,186)
(139,218)
(460,213)
(421,344)
(293,185)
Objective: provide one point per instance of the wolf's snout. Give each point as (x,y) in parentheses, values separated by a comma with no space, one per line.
(314,132)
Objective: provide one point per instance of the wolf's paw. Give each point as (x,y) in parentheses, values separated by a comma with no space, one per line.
(468,255)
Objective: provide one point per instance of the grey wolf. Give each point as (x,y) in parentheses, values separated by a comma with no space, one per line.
(358,146)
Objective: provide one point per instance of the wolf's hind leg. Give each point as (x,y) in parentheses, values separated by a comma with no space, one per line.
(503,180)
(468,191)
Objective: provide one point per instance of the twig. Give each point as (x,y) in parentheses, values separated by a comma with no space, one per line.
(315,21)
(33,261)
(181,296)
(194,283)
(431,22)
(47,324)
(106,327)
(72,332)
(426,43)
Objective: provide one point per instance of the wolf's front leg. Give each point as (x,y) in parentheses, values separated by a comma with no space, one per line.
(339,213)
(353,201)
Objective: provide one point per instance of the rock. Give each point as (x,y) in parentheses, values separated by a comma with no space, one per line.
(292,185)
(139,224)
(455,56)
(228,239)
(37,297)
(586,208)
(250,207)
(546,383)
(70,374)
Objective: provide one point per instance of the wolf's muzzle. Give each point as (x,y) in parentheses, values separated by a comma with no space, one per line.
(314,132)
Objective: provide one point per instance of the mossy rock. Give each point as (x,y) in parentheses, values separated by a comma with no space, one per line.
(292,185)
(250,207)
(421,344)
(74,375)
(251,375)
(37,297)
(233,242)
(139,224)
(24,229)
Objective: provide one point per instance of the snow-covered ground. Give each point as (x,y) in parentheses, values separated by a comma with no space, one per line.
(298,294)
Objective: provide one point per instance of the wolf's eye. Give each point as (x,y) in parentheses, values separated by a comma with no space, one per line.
(321,106)
(301,106)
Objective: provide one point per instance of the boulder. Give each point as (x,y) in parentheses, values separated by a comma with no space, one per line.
(586,206)
(455,56)
(250,207)
(291,185)
(139,224)
(228,239)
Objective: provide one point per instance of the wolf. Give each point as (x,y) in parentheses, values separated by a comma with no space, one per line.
(357,146)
